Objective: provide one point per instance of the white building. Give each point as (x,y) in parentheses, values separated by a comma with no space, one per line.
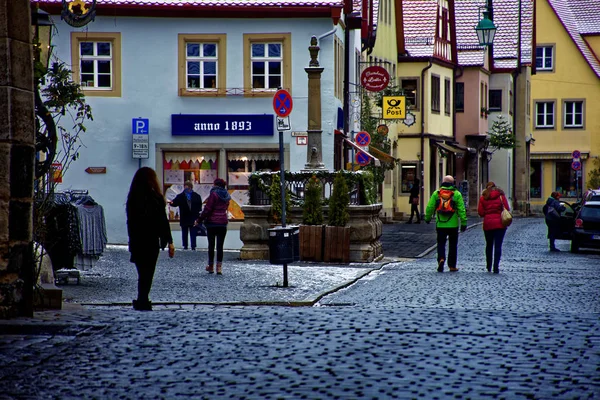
(202,75)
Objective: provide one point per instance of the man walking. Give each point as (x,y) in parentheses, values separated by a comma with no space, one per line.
(190,206)
(447,203)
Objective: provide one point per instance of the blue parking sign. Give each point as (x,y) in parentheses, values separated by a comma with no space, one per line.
(140,126)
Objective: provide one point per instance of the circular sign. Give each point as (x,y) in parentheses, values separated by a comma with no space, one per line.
(282,103)
(362,138)
(375,78)
(383,130)
(576,165)
(362,159)
(576,154)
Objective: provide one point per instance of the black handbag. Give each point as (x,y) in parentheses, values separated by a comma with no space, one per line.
(200,229)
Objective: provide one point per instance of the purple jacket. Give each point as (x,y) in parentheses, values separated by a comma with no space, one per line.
(215,209)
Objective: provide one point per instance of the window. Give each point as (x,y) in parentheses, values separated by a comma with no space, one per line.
(267,63)
(410,87)
(535,179)
(408,176)
(544,58)
(528,97)
(511,103)
(202,67)
(435,93)
(338,61)
(459,97)
(544,114)
(447,93)
(573,114)
(567,183)
(96,61)
(495,100)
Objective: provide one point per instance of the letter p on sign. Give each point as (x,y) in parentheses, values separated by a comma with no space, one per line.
(140,126)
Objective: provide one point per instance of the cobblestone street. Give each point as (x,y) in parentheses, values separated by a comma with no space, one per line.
(401,331)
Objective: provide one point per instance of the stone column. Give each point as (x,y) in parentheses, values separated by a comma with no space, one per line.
(17,152)
(314,151)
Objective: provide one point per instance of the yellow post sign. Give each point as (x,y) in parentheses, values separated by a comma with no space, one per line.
(394,107)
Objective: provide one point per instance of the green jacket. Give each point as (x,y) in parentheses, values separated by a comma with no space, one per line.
(443,221)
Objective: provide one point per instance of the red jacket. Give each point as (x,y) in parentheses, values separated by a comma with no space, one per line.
(215,210)
(491,209)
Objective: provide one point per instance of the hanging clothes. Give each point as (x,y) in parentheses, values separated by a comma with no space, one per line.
(92,232)
(61,240)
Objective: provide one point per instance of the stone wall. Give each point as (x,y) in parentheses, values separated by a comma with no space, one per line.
(366,229)
(17,151)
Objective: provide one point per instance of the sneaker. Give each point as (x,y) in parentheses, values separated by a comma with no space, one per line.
(489,269)
(453,269)
(441,265)
(555,250)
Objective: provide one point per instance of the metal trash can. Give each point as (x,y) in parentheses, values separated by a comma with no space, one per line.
(284,245)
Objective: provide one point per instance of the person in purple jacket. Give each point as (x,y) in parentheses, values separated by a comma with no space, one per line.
(214,216)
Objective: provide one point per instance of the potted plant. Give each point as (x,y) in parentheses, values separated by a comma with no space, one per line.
(275,195)
(311,229)
(337,234)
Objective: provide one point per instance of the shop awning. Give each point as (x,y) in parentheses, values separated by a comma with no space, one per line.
(382,155)
(253,156)
(190,157)
(451,148)
(555,156)
(358,148)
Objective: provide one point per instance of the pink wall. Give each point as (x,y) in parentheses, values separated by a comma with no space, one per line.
(470,121)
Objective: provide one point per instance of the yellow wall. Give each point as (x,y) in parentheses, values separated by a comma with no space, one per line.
(594,43)
(572,78)
(438,124)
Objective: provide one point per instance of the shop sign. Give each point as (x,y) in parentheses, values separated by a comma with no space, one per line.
(375,78)
(56,172)
(394,107)
(222,125)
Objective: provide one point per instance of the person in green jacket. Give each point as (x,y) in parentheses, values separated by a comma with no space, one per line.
(447,203)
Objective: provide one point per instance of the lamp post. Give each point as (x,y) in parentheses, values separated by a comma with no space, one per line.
(485,29)
(46,138)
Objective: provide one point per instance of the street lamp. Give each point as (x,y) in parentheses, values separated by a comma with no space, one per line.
(42,30)
(486,30)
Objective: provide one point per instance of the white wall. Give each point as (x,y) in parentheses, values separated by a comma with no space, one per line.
(149,90)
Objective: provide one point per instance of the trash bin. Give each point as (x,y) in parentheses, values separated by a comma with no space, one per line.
(284,245)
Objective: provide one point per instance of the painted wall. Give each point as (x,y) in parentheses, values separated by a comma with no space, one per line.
(438,123)
(149,90)
(572,78)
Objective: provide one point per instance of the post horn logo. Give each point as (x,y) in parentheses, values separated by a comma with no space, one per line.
(78,13)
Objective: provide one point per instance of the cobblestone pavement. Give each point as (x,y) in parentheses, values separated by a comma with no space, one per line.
(402,331)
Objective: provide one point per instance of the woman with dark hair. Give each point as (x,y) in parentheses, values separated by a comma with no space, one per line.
(148,230)
(215,219)
(490,207)
(552,210)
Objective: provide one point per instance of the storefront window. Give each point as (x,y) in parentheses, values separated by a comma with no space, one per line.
(535,180)
(239,167)
(567,182)
(409,174)
(199,168)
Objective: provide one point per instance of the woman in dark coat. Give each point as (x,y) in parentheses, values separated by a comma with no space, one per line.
(190,205)
(214,216)
(148,230)
(552,210)
(491,204)
(413,200)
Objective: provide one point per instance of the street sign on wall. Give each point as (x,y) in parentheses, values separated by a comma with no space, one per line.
(394,107)
(375,78)
(140,128)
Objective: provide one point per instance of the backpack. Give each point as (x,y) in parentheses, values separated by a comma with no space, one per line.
(445,204)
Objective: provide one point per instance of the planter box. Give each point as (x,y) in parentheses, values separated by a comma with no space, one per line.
(337,244)
(311,242)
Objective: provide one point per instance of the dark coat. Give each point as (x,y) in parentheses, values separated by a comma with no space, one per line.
(553,224)
(491,209)
(215,210)
(414,193)
(148,228)
(187,215)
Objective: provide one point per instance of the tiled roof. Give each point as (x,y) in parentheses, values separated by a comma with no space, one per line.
(566,14)
(587,15)
(212,3)
(419,26)
(357,8)
(506,18)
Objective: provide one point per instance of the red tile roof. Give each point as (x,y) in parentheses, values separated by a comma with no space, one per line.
(419,26)
(571,18)
(587,15)
(470,53)
(213,3)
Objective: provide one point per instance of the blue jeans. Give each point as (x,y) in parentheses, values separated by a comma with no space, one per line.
(493,246)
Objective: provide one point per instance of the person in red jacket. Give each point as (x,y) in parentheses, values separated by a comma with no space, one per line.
(214,216)
(490,207)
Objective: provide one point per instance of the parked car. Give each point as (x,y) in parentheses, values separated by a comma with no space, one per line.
(586,228)
(591,195)
(567,220)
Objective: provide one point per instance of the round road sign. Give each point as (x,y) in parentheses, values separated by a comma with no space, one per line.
(282,103)
(362,159)
(576,154)
(576,165)
(362,138)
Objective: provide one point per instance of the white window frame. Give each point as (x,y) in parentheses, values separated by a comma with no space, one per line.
(571,104)
(544,57)
(266,59)
(202,59)
(545,113)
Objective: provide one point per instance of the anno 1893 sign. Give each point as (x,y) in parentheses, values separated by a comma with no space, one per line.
(375,78)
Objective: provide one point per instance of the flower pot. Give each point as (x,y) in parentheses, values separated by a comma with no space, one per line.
(311,242)
(337,244)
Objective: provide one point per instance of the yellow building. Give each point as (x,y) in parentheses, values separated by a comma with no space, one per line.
(565,93)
